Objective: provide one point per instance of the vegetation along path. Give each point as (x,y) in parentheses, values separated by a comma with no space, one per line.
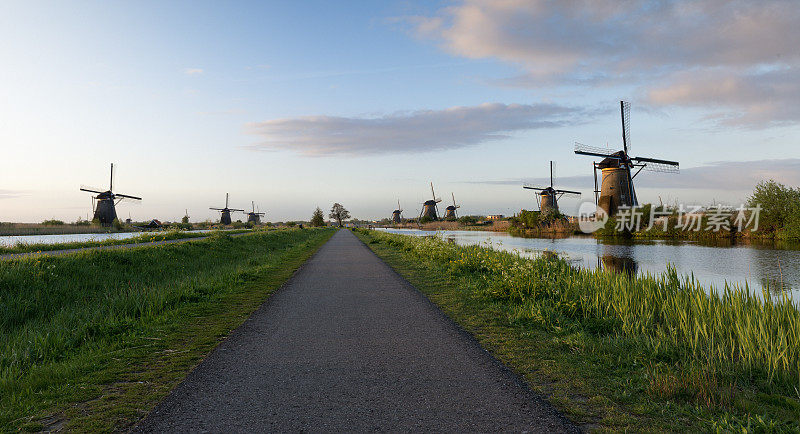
(349,345)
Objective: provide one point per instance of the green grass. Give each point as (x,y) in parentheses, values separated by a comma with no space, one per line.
(614,353)
(144,238)
(92,341)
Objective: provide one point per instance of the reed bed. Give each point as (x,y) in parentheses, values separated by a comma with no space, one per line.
(672,318)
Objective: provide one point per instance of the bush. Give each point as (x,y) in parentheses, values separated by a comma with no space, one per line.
(53,222)
(779,206)
(467,220)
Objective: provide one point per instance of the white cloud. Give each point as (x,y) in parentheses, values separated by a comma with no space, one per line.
(418,131)
(193,71)
(670,49)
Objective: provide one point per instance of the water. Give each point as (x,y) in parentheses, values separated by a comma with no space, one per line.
(760,265)
(12,240)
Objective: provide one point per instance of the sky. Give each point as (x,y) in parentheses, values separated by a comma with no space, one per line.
(294,105)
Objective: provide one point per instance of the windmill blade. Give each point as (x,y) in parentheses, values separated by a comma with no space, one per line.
(437,200)
(582,149)
(661,167)
(530,187)
(625,112)
(218,209)
(656,160)
(91,189)
(569,193)
(125,196)
(235,209)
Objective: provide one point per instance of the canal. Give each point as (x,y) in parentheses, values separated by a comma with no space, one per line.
(760,265)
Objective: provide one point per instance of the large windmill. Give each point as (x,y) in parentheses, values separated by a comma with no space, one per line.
(225,218)
(105,206)
(616,189)
(450,211)
(429,207)
(254,216)
(397,215)
(548,196)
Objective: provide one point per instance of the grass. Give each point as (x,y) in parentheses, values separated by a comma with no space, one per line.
(92,341)
(654,353)
(144,238)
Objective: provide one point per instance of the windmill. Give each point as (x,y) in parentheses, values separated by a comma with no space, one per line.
(429,207)
(397,215)
(104,204)
(450,211)
(225,218)
(548,197)
(253,216)
(616,187)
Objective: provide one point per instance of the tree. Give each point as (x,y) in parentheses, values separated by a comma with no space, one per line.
(317,219)
(339,213)
(778,204)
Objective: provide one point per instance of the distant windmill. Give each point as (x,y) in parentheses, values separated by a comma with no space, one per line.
(104,206)
(617,189)
(225,218)
(253,216)
(429,207)
(450,211)
(548,197)
(397,215)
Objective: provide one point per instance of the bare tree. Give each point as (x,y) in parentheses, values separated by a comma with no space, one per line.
(339,213)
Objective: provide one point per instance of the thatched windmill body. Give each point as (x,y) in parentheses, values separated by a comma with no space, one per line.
(616,188)
(254,216)
(105,202)
(548,196)
(397,215)
(225,217)
(450,211)
(429,207)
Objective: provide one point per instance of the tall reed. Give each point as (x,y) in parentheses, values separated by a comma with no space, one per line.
(672,317)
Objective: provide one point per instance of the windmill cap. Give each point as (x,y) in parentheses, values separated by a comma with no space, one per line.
(430,202)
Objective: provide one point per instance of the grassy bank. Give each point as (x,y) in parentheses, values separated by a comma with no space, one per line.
(654,353)
(144,238)
(92,341)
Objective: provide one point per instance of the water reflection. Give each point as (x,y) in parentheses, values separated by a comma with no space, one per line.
(619,261)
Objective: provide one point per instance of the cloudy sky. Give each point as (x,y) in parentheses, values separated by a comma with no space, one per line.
(295,105)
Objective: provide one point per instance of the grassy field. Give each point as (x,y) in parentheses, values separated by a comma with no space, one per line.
(653,353)
(144,238)
(92,341)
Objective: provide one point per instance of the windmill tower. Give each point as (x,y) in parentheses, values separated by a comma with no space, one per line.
(225,218)
(616,187)
(450,211)
(548,197)
(397,215)
(429,207)
(104,203)
(253,216)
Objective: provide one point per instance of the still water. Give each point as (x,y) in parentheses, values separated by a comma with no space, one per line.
(12,240)
(760,265)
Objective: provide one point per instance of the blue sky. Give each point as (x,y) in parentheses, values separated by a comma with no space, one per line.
(295,105)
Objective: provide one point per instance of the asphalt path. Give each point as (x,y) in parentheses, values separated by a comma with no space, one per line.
(7,256)
(349,345)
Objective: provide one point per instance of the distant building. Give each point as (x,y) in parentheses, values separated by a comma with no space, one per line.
(495,217)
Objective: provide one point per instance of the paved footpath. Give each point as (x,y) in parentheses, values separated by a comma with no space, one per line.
(349,345)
